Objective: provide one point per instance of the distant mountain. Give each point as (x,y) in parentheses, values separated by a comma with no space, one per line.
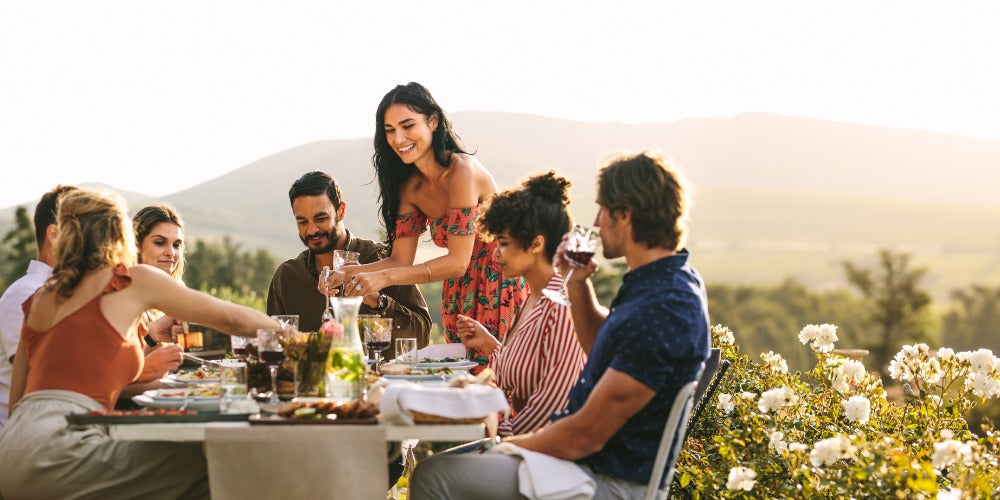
(774,194)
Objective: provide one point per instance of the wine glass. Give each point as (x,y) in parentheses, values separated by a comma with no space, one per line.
(272,353)
(580,247)
(287,321)
(240,345)
(377,333)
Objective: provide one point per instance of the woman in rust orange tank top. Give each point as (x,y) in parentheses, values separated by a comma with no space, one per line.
(79,349)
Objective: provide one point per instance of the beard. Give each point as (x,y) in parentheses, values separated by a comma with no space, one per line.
(331,241)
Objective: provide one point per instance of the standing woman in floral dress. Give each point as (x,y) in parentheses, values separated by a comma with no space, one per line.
(426,179)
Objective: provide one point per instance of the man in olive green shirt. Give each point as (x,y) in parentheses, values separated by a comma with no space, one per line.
(319,213)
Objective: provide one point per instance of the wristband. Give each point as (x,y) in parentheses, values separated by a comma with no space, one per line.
(149,341)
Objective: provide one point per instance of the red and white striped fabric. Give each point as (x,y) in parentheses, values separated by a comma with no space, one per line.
(539,364)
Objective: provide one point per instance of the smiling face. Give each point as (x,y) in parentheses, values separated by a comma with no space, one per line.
(163,247)
(318,222)
(409,133)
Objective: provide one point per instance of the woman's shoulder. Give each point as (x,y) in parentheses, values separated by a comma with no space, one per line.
(466,169)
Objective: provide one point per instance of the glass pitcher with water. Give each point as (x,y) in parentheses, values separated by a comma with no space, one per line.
(345,364)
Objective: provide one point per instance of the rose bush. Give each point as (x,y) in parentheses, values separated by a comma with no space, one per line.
(831,432)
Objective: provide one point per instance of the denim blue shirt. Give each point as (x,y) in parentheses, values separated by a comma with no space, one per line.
(657,333)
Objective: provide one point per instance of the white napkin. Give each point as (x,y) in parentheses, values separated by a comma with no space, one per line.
(544,477)
(473,401)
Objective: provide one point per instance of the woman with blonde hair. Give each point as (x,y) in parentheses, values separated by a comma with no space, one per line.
(79,349)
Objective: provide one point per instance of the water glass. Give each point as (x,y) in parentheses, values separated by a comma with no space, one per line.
(406,351)
(288,321)
(232,384)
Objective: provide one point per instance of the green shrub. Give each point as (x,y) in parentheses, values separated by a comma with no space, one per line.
(833,433)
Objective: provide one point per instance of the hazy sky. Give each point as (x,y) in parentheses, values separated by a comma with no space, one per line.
(159,96)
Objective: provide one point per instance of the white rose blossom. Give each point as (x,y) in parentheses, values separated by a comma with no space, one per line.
(741,478)
(774,361)
(726,403)
(725,335)
(821,337)
(846,372)
(857,409)
(828,451)
(949,452)
(778,443)
(776,398)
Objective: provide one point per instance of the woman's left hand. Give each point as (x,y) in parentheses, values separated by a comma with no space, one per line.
(365,284)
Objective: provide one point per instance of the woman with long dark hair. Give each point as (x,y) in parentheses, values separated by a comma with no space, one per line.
(426,179)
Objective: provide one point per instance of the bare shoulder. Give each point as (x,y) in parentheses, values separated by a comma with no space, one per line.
(147,275)
(466,169)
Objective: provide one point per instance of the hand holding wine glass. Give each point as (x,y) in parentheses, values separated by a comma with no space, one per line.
(577,250)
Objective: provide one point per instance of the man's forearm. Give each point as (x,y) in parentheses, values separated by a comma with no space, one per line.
(588,314)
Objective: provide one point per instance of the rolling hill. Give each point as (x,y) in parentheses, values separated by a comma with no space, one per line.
(774,195)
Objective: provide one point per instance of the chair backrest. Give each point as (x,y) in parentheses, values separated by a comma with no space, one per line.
(707,374)
(670,443)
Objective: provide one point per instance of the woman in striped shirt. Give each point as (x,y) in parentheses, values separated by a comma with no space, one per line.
(540,358)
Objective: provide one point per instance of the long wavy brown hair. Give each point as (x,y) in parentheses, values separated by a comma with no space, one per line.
(94,232)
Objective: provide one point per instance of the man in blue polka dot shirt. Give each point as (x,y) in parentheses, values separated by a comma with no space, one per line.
(651,342)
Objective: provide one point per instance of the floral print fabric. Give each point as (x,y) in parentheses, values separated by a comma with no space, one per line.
(482,293)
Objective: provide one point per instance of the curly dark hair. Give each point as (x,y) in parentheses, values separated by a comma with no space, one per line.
(390,170)
(538,207)
(649,187)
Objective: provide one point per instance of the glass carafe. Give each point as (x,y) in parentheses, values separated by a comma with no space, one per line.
(345,364)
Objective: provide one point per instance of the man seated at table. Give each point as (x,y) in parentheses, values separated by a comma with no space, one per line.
(319,213)
(641,352)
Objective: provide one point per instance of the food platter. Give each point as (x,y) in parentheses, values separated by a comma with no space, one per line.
(162,416)
(446,363)
(192,377)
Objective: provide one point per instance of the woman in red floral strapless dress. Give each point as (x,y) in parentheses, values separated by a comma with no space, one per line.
(426,179)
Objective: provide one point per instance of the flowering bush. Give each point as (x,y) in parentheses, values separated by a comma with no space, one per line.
(832,432)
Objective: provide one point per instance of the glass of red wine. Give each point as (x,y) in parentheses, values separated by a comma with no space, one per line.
(579,249)
(272,354)
(377,333)
(240,345)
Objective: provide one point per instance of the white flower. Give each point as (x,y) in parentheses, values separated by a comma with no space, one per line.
(741,478)
(776,398)
(797,447)
(948,452)
(857,409)
(950,494)
(724,334)
(984,385)
(822,337)
(945,354)
(726,403)
(982,360)
(778,443)
(931,371)
(947,434)
(934,400)
(774,361)
(846,373)
(828,451)
(749,396)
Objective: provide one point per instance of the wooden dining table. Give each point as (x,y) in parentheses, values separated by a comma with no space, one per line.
(296,461)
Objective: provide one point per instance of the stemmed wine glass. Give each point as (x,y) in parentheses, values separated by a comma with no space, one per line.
(272,353)
(377,333)
(580,247)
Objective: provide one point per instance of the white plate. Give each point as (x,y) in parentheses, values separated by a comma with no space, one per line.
(425,377)
(191,381)
(171,404)
(465,363)
(173,395)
